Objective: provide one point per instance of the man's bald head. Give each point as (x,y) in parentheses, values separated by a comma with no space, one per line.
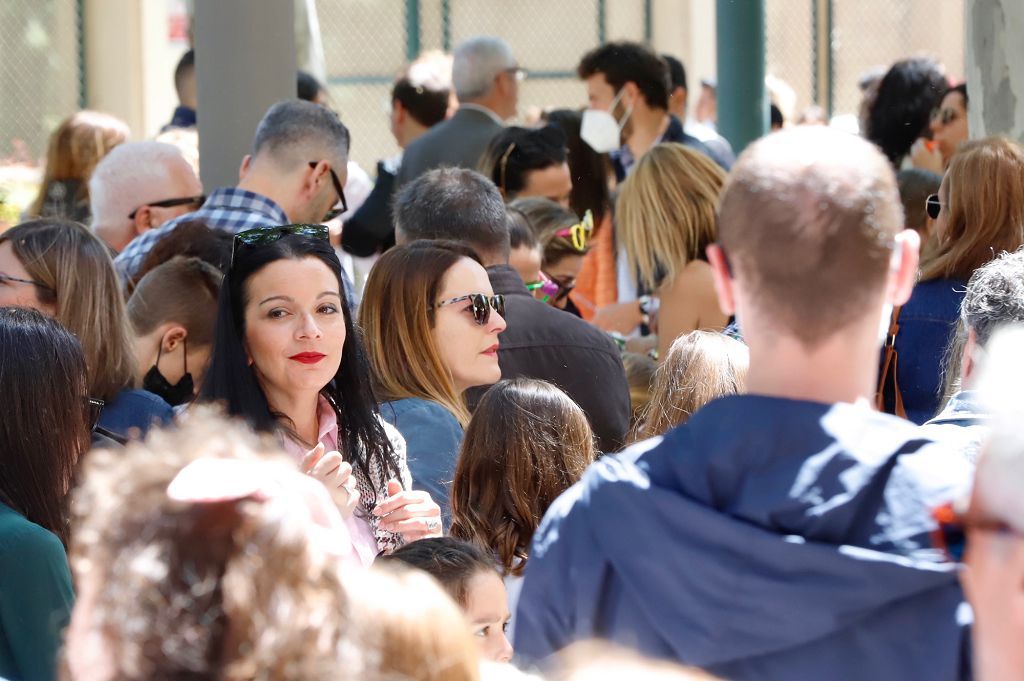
(808,222)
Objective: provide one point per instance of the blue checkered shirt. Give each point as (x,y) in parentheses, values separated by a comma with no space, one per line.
(228,208)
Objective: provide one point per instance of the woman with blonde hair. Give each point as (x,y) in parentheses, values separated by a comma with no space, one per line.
(666,217)
(63,270)
(978,213)
(699,367)
(431,321)
(75,148)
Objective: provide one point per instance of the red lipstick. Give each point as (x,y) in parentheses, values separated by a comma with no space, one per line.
(308,357)
(491,351)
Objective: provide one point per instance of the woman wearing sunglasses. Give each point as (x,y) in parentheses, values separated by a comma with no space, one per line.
(565,240)
(432,322)
(287,358)
(666,217)
(978,213)
(44,431)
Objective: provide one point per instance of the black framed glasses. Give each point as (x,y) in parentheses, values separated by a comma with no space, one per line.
(7,277)
(482,305)
(196,201)
(933,206)
(95,407)
(261,236)
(334,212)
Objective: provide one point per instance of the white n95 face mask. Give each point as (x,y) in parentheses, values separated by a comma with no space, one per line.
(600,130)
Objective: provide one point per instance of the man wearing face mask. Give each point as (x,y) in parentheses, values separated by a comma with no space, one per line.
(172,313)
(628,90)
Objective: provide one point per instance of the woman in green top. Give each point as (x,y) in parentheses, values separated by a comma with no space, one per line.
(44,429)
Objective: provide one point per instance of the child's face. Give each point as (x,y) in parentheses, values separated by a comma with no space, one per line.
(526,261)
(488,616)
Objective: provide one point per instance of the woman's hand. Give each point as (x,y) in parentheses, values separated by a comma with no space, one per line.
(619,317)
(335,474)
(925,154)
(412,514)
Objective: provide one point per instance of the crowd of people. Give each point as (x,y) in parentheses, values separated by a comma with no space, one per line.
(741,418)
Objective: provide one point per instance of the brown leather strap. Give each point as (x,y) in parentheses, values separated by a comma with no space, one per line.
(889,373)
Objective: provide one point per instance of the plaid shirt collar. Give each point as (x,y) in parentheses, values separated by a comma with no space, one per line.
(243,200)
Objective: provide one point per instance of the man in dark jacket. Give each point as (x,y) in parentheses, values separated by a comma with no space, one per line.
(782,534)
(540,341)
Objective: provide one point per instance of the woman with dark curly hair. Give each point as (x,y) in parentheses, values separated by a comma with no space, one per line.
(903,105)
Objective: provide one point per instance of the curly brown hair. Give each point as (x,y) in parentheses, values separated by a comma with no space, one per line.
(527,443)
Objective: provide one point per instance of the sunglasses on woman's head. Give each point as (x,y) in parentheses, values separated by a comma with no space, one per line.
(482,305)
(261,236)
(95,407)
(933,206)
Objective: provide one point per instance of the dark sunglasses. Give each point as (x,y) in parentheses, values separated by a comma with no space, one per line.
(945,116)
(95,409)
(481,306)
(197,201)
(261,236)
(334,212)
(933,206)
(950,536)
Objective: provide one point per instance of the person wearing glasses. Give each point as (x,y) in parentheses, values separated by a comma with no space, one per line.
(978,214)
(140,186)
(565,240)
(948,128)
(295,174)
(431,321)
(44,431)
(666,218)
(289,360)
(525,162)
(486,77)
(64,271)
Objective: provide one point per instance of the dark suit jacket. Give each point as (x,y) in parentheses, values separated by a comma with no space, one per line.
(547,343)
(459,141)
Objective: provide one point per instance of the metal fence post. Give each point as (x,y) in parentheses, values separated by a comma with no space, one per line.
(742,104)
(446,25)
(83,96)
(602,26)
(412,29)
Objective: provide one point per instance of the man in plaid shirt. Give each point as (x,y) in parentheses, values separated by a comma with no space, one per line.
(295,174)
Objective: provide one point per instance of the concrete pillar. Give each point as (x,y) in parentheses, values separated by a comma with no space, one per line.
(742,102)
(995,67)
(245,61)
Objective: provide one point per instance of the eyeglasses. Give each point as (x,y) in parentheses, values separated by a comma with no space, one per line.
(945,116)
(564,287)
(517,72)
(334,212)
(95,409)
(482,305)
(261,236)
(951,535)
(196,201)
(7,277)
(933,206)
(580,232)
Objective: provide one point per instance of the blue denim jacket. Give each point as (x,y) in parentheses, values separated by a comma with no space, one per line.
(134,410)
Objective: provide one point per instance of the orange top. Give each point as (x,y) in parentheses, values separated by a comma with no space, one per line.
(596,284)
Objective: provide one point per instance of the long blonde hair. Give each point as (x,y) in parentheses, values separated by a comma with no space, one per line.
(666,212)
(984,197)
(75,147)
(397,318)
(78,279)
(699,367)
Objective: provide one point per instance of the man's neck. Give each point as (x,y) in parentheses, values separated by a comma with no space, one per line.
(410,133)
(647,127)
(268,186)
(491,102)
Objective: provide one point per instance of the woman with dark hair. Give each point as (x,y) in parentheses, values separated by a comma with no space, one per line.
(468,575)
(44,431)
(432,322)
(529,162)
(903,105)
(527,443)
(289,359)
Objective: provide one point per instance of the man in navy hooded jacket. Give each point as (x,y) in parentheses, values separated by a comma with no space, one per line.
(783,534)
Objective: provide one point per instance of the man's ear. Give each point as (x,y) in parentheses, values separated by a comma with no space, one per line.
(243,169)
(630,94)
(721,273)
(142,220)
(903,266)
(173,337)
(967,363)
(398,112)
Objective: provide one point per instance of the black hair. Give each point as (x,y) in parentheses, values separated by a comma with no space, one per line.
(186,65)
(676,72)
(428,106)
(44,431)
(775,115)
(902,108)
(307,86)
(962,89)
(916,184)
(231,381)
(455,204)
(452,562)
(514,152)
(627,62)
(589,169)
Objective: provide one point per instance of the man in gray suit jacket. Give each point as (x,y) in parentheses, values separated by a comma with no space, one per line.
(486,80)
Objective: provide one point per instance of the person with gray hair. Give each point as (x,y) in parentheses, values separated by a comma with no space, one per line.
(295,174)
(486,78)
(541,341)
(140,186)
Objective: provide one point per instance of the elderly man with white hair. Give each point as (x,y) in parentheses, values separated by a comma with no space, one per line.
(140,187)
(486,78)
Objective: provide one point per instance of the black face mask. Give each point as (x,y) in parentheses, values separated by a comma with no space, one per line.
(156,383)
